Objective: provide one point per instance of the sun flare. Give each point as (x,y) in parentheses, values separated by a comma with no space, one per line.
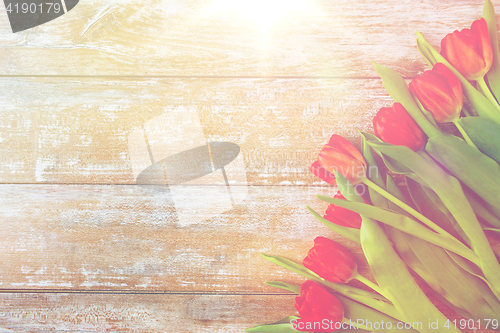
(263,13)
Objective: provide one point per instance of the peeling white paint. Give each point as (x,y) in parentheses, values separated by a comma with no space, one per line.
(44,164)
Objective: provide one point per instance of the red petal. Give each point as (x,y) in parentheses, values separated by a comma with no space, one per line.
(480,30)
(342,144)
(322,173)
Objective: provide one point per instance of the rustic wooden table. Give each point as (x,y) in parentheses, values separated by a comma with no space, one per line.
(91,100)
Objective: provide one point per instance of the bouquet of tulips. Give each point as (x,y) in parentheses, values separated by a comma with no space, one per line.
(432,221)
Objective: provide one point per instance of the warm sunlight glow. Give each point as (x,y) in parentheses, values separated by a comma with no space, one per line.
(264,13)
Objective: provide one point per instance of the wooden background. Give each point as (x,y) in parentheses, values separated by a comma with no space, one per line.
(84,249)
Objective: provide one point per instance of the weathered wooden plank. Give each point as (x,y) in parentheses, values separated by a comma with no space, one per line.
(139,313)
(80,312)
(128,237)
(92,130)
(235,38)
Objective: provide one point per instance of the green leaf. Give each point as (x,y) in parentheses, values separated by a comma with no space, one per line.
(342,288)
(438,270)
(374,170)
(426,54)
(397,167)
(392,276)
(293,266)
(393,189)
(483,107)
(396,87)
(404,223)
(367,298)
(350,233)
(394,165)
(347,189)
(485,134)
(281,326)
(476,170)
(282,285)
(493,74)
(452,280)
(472,269)
(354,310)
(374,174)
(429,204)
(481,208)
(454,154)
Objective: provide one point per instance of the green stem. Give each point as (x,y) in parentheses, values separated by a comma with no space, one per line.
(464,134)
(370,299)
(406,208)
(369,283)
(492,229)
(487,93)
(456,246)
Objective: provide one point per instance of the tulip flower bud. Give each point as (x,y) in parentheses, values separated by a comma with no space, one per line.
(395,126)
(340,155)
(342,216)
(319,310)
(331,261)
(440,93)
(322,173)
(469,50)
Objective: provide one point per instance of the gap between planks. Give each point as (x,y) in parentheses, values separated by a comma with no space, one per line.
(281,77)
(142,292)
(187,185)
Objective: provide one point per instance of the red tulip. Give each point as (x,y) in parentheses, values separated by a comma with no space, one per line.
(340,155)
(322,173)
(319,310)
(469,50)
(395,126)
(440,93)
(342,216)
(331,261)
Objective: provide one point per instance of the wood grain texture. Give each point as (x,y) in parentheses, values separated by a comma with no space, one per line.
(90,100)
(199,38)
(139,313)
(58,130)
(152,313)
(131,238)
